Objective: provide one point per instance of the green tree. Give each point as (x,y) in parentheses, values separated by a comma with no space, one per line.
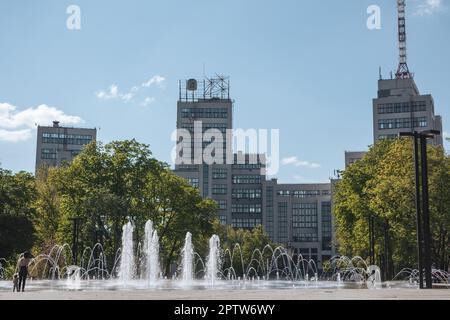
(381,185)
(244,249)
(17,194)
(107,186)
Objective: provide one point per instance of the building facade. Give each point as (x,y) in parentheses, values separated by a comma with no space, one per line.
(353,156)
(297,216)
(400,107)
(57,144)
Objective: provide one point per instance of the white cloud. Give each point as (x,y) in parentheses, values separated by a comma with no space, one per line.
(15,135)
(155,80)
(147,101)
(429,7)
(113,92)
(18,125)
(299,163)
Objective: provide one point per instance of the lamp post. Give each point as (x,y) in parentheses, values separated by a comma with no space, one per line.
(76,224)
(423,218)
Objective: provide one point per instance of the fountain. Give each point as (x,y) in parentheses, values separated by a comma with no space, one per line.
(74,278)
(187,259)
(265,268)
(126,267)
(151,253)
(213,261)
(374,278)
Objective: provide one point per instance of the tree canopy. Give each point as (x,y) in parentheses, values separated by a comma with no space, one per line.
(107,186)
(382,186)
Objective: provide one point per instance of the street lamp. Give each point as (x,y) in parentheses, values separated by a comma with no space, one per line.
(76,224)
(423,227)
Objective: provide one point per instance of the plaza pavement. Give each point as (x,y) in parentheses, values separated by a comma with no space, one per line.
(310,294)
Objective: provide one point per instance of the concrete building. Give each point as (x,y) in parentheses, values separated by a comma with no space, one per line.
(57,144)
(298,216)
(400,107)
(353,156)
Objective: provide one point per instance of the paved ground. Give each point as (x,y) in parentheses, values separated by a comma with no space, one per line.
(310,294)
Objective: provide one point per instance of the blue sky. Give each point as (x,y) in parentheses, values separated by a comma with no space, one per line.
(308,68)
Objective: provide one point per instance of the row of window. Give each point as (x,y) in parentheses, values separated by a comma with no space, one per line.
(246,193)
(49,153)
(305,237)
(193,182)
(204,113)
(219,189)
(223,219)
(222,127)
(219,174)
(187,168)
(247,179)
(304,215)
(62,138)
(303,193)
(400,123)
(222,204)
(246,208)
(414,106)
(247,166)
(246,223)
(387,136)
(282,222)
(269,212)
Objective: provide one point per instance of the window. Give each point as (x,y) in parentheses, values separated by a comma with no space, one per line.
(304,215)
(222,127)
(414,106)
(299,236)
(283,193)
(306,193)
(248,166)
(187,168)
(62,138)
(246,208)
(269,212)
(74,153)
(48,153)
(387,136)
(205,181)
(246,223)
(219,189)
(222,204)
(220,174)
(223,219)
(282,222)
(400,123)
(204,113)
(247,179)
(246,193)
(193,182)
(326,226)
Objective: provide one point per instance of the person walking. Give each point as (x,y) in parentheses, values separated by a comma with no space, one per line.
(22,265)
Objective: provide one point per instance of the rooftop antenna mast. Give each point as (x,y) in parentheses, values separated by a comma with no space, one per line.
(403,70)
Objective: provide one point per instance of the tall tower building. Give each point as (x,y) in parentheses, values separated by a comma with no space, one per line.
(57,144)
(399,105)
(295,215)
